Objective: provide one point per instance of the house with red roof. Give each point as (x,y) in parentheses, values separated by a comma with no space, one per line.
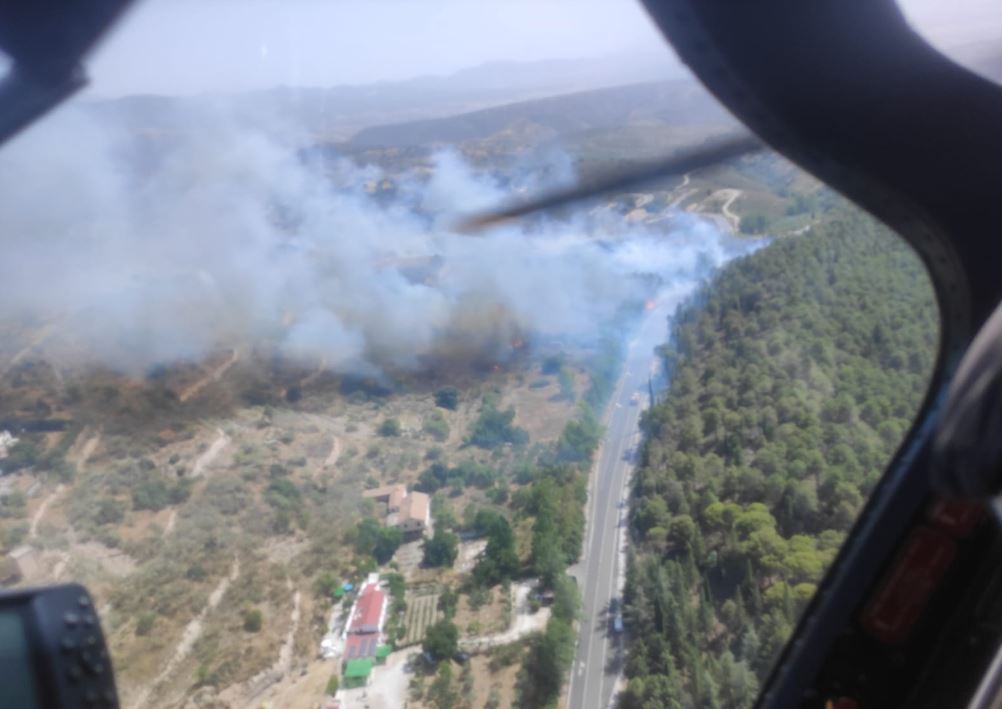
(363,632)
(361,645)
(370,610)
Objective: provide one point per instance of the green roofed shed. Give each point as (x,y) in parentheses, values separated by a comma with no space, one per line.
(382,652)
(338,592)
(356,672)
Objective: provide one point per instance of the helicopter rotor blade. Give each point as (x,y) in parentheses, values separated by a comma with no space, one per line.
(685,161)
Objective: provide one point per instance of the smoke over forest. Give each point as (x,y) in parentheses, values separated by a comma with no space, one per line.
(153,249)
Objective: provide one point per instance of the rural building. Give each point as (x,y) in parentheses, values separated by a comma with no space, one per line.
(361,645)
(414,515)
(410,512)
(392,495)
(365,623)
(369,612)
(356,673)
(383,652)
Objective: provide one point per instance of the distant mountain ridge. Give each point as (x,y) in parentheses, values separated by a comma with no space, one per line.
(667,103)
(339,112)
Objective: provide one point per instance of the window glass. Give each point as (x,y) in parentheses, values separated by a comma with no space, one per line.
(307,441)
(969,31)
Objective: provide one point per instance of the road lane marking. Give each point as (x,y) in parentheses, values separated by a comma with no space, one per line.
(604,595)
(604,484)
(603,464)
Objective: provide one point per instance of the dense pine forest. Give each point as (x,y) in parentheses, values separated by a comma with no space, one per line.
(794,376)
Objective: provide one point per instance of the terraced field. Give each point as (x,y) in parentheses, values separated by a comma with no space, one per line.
(422,611)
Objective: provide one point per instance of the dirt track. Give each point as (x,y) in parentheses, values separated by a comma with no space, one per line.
(733,218)
(334,454)
(214,376)
(203,461)
(191,634)
(42,509)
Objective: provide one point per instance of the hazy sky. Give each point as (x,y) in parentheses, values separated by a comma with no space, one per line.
(192,46)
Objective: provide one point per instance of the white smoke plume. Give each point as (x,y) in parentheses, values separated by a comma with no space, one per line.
(218,235)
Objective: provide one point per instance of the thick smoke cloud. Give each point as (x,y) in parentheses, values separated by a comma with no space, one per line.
(156,249)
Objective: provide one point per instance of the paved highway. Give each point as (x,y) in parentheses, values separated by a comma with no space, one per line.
(599,653)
